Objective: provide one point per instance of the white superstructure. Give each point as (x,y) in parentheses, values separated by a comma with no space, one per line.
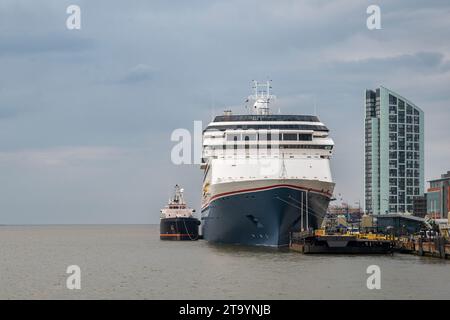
(262,146)
(177,208)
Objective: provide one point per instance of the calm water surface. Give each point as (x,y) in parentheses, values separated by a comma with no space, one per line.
(130,262)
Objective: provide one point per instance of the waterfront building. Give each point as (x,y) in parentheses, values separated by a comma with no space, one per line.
(394,152)
(420,206)
(438,197)
(399,224)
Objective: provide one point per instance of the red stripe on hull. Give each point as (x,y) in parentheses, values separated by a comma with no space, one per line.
(264,188)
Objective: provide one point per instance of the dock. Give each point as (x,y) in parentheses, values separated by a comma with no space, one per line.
(438,247)
(320,242)
(310,242)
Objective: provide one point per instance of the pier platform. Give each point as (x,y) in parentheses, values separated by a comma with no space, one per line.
(319,242)
(438,247)
(309,242)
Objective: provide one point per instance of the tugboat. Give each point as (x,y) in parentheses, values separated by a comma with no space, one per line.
(177,220)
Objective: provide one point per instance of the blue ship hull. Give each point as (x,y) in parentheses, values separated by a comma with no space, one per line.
(262,218)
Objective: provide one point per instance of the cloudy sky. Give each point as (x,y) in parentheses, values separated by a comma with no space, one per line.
(86,115)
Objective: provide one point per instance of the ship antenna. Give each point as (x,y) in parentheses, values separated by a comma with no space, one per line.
(262,97)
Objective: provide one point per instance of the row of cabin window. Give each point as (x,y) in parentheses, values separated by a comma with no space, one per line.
(269,137)
(256,146)
(268,127)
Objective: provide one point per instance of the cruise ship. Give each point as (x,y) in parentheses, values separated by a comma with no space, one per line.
(265,174)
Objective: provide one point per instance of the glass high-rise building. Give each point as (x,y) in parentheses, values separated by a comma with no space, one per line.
(394,152)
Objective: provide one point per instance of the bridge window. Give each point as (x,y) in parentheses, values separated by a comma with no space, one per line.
(305,137)
(290,136)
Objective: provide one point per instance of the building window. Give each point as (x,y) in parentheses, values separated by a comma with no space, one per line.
(409,109)
(401,157)
(393,110)
(401,184)
(392,99)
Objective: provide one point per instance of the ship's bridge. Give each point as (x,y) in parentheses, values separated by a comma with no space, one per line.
(247,135)
(262,134)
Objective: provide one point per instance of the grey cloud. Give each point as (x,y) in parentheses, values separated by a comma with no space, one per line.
(420,61)
(138,70)
(139,73)
(7,112)
(20,45)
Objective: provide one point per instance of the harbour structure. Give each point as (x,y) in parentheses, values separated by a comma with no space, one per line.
(321,241)
(394,152)
(399,224)
(264,174)
(438,197)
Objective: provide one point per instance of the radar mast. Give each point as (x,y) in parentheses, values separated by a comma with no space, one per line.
(262,97)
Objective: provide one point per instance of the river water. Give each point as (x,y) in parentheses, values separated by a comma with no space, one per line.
(130,262)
